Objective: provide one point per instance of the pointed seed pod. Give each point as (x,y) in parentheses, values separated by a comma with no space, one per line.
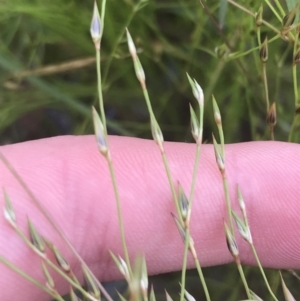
(73,296)
(121,297)
(144,278)
(183,203)
(49,279)
(287,294)
(99,133)
(241,200)
(96,27)
(289,18)
(264,51)
(253,296)
(91,285)
(271,116)
(152,294)
(231,243)
(131,45)
(197,90)
(217,114)
(243,228)
(199,93)
(218,155)
(9,212)
(61,261)
(168,297)
(259,16)
(179,227)
(296,59)
(122,266)
(195,127)
(157,134)
(188,296)
(36,238)
(139,71)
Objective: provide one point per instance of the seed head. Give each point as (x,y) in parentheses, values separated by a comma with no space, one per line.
(157,134)
(264,51)
(131,45)
(9,212)
(96,27)
(258,16)
(219,158)
(271,116)
(289,18)
(217,114)
(99,133)
(231,243)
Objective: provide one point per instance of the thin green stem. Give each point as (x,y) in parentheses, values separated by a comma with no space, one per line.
(103,9)
(119,211)
(272,8)
(174,196)
(187,241)
(262,272)
(148,102)
(265,79)
(240,268)
(253,15)
(191,198)
(51,221)
(100,95)
(30,279)
(279,6)
(228,202)
(73,282)
(164,157)
(222,142)
(295,82)
(202,279)
(183,272)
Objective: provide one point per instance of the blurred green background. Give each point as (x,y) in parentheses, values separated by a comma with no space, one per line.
(173,37)
(48,81)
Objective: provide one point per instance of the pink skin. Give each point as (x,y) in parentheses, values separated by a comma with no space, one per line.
(71,179)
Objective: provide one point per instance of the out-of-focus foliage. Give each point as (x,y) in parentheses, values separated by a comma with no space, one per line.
(173,37)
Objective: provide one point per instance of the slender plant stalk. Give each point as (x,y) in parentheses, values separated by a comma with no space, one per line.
(242,275)
(197,131)
(295,81)
(274,11)
(96,32)
(218,120)
(30,279)
(44,257)
(187,241)
(242,8)
(171,183)
(228,202)
(279,6)
(119,211)
(198,267)
(48,217)
(100,94)
(265,80)
(262,272)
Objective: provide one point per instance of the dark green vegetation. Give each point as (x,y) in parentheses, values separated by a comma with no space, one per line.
(173,37)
